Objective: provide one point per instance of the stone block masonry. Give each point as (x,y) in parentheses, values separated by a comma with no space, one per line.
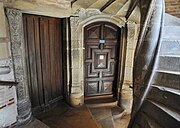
(173,7)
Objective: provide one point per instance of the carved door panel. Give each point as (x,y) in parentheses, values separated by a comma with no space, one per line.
(101,58)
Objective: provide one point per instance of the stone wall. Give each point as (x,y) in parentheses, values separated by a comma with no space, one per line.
(173,7)
(4,51)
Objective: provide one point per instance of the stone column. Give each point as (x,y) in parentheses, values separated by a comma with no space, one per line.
(127,91)
(18,57)
(77,88)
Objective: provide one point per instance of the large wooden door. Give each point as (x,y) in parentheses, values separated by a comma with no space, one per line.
(43,41)
(101,58)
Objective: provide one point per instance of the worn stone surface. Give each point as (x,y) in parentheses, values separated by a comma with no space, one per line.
(4,51)
(2,21)
(55,9)
(17,46)
(65,117)
(35,123)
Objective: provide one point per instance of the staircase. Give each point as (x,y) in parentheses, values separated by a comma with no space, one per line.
(164,97)
(159,104)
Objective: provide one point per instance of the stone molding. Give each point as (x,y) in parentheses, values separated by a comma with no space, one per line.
(18,59)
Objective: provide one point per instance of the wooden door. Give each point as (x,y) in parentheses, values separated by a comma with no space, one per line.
(101,58)
(43,41)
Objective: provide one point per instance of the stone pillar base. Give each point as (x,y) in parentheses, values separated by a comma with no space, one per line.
(24,111)
(126,98)
(76,100)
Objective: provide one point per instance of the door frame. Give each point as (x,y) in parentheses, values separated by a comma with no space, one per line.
(77,25)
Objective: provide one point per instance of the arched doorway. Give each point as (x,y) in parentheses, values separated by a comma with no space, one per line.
(101,59)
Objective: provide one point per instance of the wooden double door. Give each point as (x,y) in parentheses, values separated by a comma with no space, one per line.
(101,58)
(43,42)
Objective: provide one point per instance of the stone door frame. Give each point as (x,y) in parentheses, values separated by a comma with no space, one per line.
(84,17)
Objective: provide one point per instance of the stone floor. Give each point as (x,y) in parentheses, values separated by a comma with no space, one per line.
(87,116)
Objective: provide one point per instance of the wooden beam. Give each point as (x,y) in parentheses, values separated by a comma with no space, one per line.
(106,5)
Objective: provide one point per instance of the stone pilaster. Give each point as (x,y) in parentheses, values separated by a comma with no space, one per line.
(77,90)
(18,59)
(127,91)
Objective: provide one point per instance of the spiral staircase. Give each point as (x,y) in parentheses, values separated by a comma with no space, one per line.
(157,61)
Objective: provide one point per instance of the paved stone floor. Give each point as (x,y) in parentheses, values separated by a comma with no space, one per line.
(86,116)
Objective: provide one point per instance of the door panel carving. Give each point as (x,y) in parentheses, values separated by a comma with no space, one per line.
(101,58)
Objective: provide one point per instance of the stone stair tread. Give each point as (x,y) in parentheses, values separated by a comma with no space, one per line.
(99,105)
(100,101)
(171,32)
(122,12)
(169,111)
(114,7)
(168,72)
(171,20)
(172,90)
(170,55)
(98,4)
(143,120)
(83,3)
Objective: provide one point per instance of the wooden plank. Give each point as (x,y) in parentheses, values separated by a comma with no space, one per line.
(58,58)
(43,42)
(38,60)
(52,42)
(32,59)
(27,54)
(45,57)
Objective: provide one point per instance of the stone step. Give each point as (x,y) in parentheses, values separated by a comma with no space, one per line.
(164,95)
(169,63)
(83,3)
(100,101)
(170,47)
(114,7)
(122,12)
(167,80)
(168,71)
(171,32)
(171,20)
(98,4)
(144,121)
(166,116)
